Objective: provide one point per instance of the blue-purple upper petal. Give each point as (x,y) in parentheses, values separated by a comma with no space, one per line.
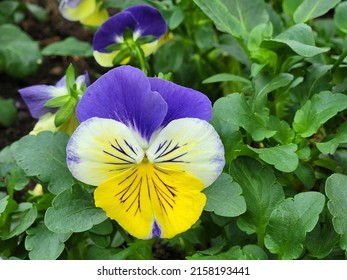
(182,102)
(149,19)
(111,29)
(124,94)
(35,97)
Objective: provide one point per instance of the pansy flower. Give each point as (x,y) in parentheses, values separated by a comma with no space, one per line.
(142,20)
(37,96)
(88,12)
(147,146)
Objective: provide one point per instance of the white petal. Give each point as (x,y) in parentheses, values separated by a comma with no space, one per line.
(190,145)
(100,148)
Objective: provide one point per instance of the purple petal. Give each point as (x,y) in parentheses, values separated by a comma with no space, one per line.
(72,3)
(182,102)
(61,82)
(156,231)
(124,94)
(111,29)
(35,97)
(150,21)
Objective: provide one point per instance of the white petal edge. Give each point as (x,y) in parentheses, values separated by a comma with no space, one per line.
(92,154)
(190,145)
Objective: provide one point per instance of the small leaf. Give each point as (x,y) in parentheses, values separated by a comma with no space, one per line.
(299,38)
(235,109)
(336,191)
(317,111)
(71,46)
(176,18)
(283,157)
(290,222)
(284,133)
(8,112)
(289,6)
(340,18)
(311,9)
(224,197)
(261,191)
(44,244)
(340,137)
(73,210)
(57,101)
(47,151)
(38,12)
(225,77)
(65,112)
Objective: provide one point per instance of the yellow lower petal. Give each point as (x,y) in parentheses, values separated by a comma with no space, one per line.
(149,201)
(83,10)
(106,59)
(96,18)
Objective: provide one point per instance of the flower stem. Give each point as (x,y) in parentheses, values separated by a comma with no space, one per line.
(340,60)
(140,57)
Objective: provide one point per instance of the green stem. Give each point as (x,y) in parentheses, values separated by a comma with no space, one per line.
(339,61)
(141,58)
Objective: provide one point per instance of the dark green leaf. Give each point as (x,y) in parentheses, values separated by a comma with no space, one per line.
(71,46)
(8,112)
(225,77)
(336,191)
(330,146)
(38,12)
(289,6)
(261,192)
(290,222)
(317,111)
(47,151)
(19,55)
(44,244)
(340,18)
(73,210)
(224,197)
(176,18)
(284,133)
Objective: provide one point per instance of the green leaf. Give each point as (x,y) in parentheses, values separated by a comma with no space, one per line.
(44,244)
(283,157)
(235,109)
(7,10)
(290,222)
(261,191)
(38,12)
(225,77)
(73,210)
(65,112)
(248,252)
(305,173)
(176,18)
(336,191)
(224,197)
(322,240)
(19,55)
(48,152)
(340,137)
(21,219)
(317,111)
(8,112)
(104,228)
(284,133)
(220,15)
(310,9)
(340,18)
(71,46)
(299,38)
(290,6)
(57,101)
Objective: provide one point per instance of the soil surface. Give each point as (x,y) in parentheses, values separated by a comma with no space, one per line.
(52,69)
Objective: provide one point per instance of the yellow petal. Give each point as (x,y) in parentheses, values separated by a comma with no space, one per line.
(45,122)
(189,145)
(149,201)
(105,59)
(99,149)
(96,18)
(83,10)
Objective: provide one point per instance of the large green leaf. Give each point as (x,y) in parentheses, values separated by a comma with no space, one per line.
(220,15)
(340,18)
(340,137)
(73,210)
(310,9)
(290,222)
(71,46)
(317,111)
(43,244)
(19,55)
(299,38)
(48,152)
(234,109)
(336,191)
(290,6)
(224,197)
(261,191)
(283,157)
